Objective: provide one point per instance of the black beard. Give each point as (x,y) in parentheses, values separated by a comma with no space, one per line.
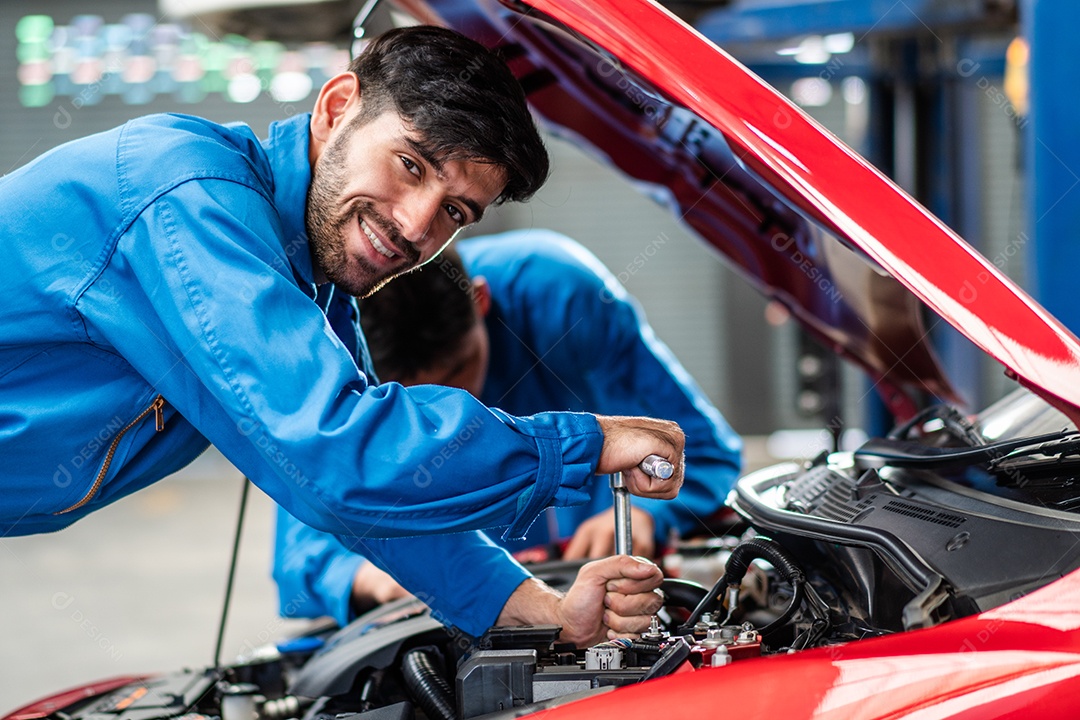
(327,232)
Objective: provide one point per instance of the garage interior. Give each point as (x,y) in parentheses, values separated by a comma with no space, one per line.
(964,103)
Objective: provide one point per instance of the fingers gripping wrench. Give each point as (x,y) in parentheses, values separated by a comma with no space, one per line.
(654,466)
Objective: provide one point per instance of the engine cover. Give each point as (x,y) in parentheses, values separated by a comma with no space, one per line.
(955,549)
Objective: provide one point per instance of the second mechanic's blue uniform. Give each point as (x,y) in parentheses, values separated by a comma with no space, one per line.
(564,335)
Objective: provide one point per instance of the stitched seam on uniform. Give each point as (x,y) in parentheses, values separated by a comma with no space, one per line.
(548,475)
(552,432)
(109,248)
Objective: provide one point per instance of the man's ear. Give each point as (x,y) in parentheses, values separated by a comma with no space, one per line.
(337,98)
(481,293)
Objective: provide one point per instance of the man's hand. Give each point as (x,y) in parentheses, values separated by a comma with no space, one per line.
(371,586)
(629,440)
(595,538)
(611,598)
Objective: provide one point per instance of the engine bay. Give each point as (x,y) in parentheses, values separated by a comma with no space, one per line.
(940,520)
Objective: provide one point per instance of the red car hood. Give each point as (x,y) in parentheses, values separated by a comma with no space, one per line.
(804,217)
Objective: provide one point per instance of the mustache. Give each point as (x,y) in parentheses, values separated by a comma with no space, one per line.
(389,230)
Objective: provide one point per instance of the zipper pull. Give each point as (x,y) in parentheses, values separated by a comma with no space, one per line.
(159,414)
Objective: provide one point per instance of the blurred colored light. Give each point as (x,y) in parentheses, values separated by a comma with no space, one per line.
(290,86)
(64,61)
(139,69)
(811,92)
(839,43)
(32,52)
(266,54)
(87,25)
(34,73)
(239,65)
(33,28)
(217,56)
(244,88)
(141,58)
(292,62)
(117,37)
(188,69)
(140,23)
(36,95)
(194,44)
(87,71)
(214,82)
(339,62)
(237,41)
(854,89)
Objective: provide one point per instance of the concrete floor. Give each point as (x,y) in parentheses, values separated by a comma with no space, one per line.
(138,586)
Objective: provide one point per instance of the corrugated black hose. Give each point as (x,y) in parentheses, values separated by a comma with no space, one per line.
(428,687)
(759,548)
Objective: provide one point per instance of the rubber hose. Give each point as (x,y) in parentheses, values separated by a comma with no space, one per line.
(796,601)
(644,647)
(682,593)
(427,686)
(753,549)
(761,548)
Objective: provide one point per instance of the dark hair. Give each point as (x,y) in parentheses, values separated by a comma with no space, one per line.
(419,317)
(459,96)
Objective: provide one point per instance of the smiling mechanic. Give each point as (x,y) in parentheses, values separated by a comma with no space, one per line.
(541,324)
(175,283)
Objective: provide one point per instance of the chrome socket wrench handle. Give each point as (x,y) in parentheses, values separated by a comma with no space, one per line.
(653,466)
(657,467)
(623,535)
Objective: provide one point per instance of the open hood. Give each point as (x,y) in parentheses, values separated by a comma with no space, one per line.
(801,215)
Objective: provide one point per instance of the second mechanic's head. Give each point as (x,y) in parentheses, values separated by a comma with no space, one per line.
(414,142)
(427,327)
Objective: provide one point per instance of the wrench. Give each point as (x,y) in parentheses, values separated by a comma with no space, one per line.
(654,466)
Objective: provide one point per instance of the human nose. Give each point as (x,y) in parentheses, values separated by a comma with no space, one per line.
(417,218)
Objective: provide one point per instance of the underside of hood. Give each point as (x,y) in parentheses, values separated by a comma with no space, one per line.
(798,213)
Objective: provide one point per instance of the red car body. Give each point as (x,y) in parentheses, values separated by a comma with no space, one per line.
(1019,660)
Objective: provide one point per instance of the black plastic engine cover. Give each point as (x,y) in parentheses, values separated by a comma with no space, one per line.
(928,529)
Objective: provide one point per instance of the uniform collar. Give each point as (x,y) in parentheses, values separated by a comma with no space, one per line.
(287,148)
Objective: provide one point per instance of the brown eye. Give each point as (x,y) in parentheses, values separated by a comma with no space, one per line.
(410,165)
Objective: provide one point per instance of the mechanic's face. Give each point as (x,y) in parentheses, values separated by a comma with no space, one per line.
(465,368)
(376,208)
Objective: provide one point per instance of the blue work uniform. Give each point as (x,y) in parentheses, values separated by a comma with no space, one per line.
(159,296)
(564,334)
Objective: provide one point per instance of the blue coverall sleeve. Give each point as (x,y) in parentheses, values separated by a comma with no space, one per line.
(601,332)
(464,577)
(243,353)
(313,571)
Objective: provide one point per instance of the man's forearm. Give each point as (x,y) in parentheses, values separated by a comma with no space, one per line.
(613,597)
(532,603)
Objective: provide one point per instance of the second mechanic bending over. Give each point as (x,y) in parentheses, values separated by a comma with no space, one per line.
(541,324)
